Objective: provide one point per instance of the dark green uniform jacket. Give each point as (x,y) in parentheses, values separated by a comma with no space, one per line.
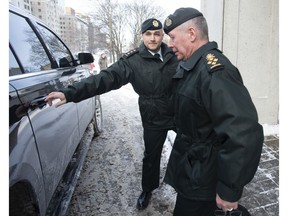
(219,141)
(150,79)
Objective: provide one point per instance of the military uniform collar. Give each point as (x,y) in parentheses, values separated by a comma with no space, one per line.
(143,51)
(192,61)
(159,52)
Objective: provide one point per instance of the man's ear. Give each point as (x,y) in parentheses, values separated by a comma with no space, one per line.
(192,33)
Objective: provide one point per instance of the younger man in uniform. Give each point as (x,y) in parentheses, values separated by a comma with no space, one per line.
(149,69)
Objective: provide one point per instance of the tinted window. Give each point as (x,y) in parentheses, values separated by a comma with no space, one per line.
(26,45)
(14,68)
(57,48)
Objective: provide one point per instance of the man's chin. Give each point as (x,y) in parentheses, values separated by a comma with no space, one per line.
(153,48)
(179,57)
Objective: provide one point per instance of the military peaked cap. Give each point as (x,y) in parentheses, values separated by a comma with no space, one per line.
(180,16)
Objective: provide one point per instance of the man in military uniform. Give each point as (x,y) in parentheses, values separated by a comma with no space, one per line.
(219,140)
(149,69)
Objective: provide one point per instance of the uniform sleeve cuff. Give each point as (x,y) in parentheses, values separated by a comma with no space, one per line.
(68,94)
(227,193)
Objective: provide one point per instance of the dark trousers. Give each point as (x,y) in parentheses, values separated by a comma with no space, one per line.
(188,207)
(153,141)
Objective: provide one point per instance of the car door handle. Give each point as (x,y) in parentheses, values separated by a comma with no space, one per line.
(38,102)
(71,71)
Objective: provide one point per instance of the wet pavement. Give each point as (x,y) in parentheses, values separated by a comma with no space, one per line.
(261,195)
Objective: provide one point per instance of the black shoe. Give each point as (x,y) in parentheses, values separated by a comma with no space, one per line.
(143,200)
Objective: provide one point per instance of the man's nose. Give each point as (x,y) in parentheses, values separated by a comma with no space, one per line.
(153,37)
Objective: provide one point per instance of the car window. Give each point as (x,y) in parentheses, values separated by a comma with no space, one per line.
(57,48)
(26,45)
(14,68)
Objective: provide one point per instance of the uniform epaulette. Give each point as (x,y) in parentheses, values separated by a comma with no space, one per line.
(212,62)
(130,53)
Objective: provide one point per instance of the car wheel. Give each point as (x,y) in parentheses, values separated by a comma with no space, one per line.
(21,201)
(98,118)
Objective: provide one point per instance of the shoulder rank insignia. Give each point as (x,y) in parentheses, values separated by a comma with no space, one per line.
(130,53)
(212,61)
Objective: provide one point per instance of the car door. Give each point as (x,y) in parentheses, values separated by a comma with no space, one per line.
(85,108)
(53,131)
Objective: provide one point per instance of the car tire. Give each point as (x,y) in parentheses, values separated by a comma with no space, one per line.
(21,201)
(98,118)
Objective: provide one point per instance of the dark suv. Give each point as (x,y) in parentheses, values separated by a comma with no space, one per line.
(45,143)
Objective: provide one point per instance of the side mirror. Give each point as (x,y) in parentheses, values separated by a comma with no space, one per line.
(63,62)
(85,58)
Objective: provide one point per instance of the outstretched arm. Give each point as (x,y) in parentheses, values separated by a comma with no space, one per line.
(56,95)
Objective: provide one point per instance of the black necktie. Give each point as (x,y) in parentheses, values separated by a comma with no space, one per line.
(157,56)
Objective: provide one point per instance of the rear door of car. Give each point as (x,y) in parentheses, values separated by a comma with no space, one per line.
(53,132)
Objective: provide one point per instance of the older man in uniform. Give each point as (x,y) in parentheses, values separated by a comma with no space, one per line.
(149,69)
(219,140)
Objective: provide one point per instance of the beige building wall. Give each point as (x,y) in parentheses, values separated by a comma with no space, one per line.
(248,33)
(23,4)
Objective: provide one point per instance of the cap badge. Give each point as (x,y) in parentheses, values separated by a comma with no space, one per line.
(168,22)
(212,60)
(155,23)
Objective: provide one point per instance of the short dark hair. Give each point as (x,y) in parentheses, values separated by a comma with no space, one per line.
(201,24)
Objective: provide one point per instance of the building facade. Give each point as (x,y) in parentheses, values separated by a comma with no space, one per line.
(23,4)
(75,29)
(248,33)
(49,11)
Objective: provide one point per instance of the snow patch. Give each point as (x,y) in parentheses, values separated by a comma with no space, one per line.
(270,129)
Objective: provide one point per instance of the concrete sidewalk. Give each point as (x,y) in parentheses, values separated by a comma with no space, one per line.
(261,195)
